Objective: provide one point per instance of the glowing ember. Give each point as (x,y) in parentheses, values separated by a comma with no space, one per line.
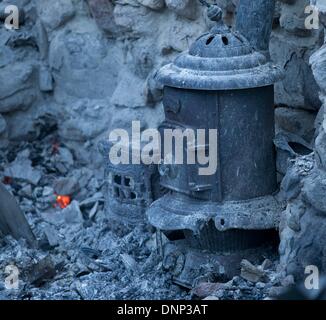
(63,201)
(7,180)
(55,147)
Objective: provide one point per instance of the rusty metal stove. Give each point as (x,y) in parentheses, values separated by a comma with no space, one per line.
(221,83)
(130,188)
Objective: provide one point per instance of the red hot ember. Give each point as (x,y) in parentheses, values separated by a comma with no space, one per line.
(62,201)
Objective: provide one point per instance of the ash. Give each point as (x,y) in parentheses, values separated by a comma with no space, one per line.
(82,253)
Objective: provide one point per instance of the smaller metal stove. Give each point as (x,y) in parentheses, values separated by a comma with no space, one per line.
(130,188)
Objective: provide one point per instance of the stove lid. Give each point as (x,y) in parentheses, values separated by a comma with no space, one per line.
(219,60)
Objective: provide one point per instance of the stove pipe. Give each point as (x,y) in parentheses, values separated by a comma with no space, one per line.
(254,21)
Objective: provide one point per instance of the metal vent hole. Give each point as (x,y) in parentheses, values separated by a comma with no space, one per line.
(117,179)
(127,181)
(225,40)
(209,40)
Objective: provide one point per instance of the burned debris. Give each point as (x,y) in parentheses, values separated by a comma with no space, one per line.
(74,224)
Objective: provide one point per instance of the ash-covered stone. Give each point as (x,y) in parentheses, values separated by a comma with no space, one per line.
(153,4)
(18,89)
(302,229)
(251,273)
(3,125)
(296,121)
(72,214)
(66,186)
(55,13)
(21,169)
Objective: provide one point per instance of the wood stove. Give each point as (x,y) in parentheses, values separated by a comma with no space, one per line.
(221,83)
(130,188)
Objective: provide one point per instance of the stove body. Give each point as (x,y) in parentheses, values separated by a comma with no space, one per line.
(244,120)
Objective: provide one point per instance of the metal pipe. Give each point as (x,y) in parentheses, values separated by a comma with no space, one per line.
(254,21)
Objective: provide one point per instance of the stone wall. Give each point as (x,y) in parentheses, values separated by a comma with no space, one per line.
(303,226)
(90,65)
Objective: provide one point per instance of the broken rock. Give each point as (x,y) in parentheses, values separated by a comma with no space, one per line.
(102,12)
(21,169)
(320,149)
(41,271)
(288,281)
(3,125)
(296,121)
(135,86)
(55,13)
(267,264)
(211,298)
(184,8)
(314,191)
(72,214)
(65,156)
(318,64)
(153,4)
(52,236)
(26,191)
(251,273)
(129,262)
(275,292)
(66,186)
(18,87)
(206,289)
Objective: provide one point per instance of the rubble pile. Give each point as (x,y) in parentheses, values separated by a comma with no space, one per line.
(81,253)
(261,282)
